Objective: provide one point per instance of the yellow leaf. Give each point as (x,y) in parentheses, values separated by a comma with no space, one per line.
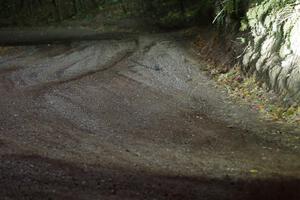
(253,171)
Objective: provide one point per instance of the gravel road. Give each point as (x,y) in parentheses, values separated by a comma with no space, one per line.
(132,119)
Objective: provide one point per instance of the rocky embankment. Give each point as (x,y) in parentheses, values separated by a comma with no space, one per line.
(273,50)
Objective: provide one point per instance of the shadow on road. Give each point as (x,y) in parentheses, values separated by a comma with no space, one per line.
(38,37)
(35,177)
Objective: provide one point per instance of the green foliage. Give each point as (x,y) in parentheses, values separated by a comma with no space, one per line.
(33,12)
(228,10)
(167,13)
(178,13)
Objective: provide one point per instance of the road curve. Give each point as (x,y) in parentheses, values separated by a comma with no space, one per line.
(127,119)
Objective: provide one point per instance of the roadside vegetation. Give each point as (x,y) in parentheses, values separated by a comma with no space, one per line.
(170,13)
(231,18)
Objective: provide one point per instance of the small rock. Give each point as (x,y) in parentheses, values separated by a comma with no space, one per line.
(157,68)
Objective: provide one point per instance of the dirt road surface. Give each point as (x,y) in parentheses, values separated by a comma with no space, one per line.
(132,119)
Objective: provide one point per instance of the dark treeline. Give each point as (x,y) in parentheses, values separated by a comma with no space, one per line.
(170,12)
(13,10)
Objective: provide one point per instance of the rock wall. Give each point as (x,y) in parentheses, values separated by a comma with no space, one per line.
(273,50)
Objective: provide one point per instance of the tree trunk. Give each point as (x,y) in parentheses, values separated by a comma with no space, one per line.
(182,7)
(76,7)
(57,7)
